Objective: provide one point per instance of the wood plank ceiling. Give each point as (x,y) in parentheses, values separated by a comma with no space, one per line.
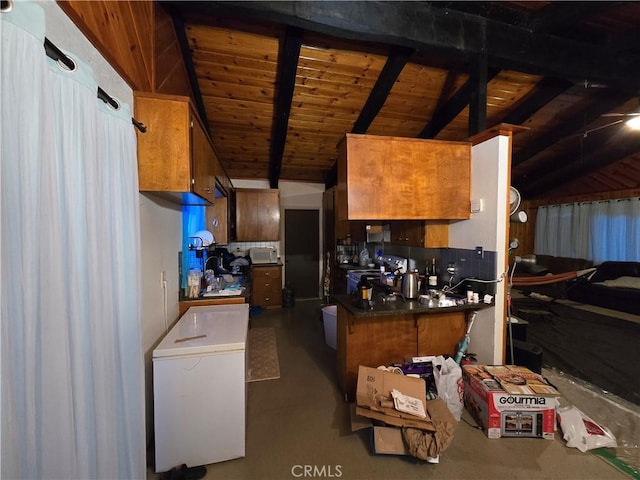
(280,83)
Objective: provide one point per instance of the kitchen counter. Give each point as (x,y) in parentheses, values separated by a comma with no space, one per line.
(392,332)
(244,280)
(398,306)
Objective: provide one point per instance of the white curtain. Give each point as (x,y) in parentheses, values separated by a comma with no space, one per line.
(597,231)
(72,362)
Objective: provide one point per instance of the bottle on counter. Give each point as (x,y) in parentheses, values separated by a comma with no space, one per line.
(365,291)
(433,275)
(424,285)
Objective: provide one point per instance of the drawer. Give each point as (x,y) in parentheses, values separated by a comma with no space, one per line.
(266,299)
(264,273)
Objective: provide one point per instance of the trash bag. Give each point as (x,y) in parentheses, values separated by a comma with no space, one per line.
(582,432)
(448,378)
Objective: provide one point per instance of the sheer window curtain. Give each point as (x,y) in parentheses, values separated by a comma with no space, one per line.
(72,362)
(597,231)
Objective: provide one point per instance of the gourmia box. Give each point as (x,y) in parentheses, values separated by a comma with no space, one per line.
(510,401)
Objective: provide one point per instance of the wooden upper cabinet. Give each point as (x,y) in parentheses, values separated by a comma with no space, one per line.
(397,178)
(257,215)
(175,156)
(202,161)
(217,218)
(223,182)
(425,234)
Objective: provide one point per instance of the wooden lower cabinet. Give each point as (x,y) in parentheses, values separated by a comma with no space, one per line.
(266,285)
(382,340)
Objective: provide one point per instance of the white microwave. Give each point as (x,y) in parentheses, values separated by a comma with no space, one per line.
(263,255)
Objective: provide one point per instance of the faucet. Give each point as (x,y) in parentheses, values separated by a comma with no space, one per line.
(209,258)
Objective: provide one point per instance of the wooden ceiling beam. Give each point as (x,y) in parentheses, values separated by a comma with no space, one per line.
(478,97)
(396,61)
(183,42)
(423,26)
(287,68)
(607,101)
(556,14)
(612,151)
(545,91)
(451,109)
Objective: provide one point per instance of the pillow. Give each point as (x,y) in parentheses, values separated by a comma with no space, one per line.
(622,282)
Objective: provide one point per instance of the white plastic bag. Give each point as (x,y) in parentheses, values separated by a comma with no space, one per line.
(582,432)
(448,376)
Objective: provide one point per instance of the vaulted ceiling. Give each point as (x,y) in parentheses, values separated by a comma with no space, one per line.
(280,83)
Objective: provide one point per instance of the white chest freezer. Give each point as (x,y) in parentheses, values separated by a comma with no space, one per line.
(199,392)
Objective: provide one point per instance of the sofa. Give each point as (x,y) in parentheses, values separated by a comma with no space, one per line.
(614,285)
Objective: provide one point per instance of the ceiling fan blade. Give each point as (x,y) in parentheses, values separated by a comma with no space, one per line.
(586,133)
(633,114)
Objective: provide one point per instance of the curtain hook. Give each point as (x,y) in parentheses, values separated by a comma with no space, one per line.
(108,99)
(64,65)
(6,6)
(64,62)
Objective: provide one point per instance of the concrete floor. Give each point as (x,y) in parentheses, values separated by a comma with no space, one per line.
(298,426)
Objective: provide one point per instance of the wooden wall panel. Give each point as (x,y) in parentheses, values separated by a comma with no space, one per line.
(122,32)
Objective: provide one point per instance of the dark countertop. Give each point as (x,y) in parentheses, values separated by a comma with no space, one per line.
(400,307)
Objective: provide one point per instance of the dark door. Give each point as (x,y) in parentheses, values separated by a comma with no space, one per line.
(301,251)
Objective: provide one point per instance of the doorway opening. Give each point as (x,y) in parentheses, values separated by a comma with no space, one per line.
(302,252)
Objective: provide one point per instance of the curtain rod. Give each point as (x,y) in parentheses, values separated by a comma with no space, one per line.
(58,55)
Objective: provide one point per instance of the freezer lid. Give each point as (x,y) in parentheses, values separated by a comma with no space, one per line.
(208,329)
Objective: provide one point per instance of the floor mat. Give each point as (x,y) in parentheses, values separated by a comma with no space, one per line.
(263,354)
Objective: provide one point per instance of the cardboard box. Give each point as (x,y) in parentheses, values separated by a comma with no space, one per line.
(510,401)
(374,388)
(373,394)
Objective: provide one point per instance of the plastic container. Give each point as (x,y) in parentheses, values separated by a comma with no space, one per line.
(329,317)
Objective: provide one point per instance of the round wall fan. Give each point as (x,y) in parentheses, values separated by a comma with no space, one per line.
(514,200)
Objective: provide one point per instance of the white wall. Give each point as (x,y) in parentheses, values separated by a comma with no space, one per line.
(160,242)
(490,161)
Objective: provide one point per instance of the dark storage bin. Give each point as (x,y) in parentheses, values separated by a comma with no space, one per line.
(525,355)
(288,297)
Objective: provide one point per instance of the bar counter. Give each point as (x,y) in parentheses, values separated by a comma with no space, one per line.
(393,332)
(400,306)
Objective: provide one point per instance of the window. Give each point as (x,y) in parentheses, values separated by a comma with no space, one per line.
(597,231)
